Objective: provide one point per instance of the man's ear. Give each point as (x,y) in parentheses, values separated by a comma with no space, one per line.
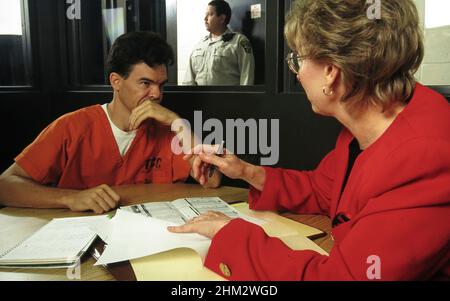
(223,17)
(115,80)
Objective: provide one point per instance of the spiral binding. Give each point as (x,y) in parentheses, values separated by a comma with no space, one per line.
(14,247)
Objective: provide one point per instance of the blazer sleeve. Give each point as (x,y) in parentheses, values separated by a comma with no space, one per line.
(297,191)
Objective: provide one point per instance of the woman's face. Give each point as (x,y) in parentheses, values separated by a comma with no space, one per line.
(312,76)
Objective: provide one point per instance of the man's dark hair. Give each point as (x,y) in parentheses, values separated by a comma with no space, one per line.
(222,8)
(138,47)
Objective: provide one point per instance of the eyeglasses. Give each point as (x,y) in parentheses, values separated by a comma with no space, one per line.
(294,62)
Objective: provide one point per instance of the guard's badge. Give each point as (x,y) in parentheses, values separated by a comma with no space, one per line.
(246,45)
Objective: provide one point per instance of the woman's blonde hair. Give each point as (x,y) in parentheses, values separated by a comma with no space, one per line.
(377,57)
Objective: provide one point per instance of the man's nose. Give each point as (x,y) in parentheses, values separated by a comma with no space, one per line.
(154,93)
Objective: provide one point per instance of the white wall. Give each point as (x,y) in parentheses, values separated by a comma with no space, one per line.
(435,21)
(10,17)
(191,28)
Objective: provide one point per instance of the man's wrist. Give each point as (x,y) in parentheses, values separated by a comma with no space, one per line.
(172,118)
(65,200)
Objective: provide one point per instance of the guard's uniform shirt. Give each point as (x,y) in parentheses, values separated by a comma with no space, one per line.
(227,61)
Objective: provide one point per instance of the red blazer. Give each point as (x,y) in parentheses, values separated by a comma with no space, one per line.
(397,198)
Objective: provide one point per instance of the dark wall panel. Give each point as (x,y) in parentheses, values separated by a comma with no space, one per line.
(253,29)
(23,117)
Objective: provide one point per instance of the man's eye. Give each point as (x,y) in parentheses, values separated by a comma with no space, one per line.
(145,84)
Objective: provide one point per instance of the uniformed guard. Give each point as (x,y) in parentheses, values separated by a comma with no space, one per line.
(223,57)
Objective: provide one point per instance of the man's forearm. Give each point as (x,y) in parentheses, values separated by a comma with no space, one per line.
(16,191)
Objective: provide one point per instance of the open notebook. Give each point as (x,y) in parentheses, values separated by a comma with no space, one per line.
(181,210)
(59,244)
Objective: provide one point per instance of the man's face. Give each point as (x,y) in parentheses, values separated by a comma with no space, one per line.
(143,83)
(213,22)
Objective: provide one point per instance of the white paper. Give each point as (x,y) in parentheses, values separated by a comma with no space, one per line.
(135,235)
(102,227)
(141,230)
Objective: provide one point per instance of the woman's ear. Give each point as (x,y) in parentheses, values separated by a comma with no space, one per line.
(115,80)
(331,74)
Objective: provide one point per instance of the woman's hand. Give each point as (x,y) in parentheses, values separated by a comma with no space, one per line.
(206,224)
(203,156)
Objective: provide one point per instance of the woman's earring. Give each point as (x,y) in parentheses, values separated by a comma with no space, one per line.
(324,90)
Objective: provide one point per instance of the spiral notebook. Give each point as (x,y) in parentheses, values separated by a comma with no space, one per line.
(59,244)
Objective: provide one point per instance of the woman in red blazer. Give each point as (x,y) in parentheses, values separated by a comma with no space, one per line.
(386,185)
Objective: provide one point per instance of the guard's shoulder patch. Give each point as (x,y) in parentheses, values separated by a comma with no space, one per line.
(246,45)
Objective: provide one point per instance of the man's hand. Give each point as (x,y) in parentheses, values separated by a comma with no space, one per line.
(207,224)
(149,109)
(99,199)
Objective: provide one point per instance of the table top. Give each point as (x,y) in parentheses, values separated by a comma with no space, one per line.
(16,224)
